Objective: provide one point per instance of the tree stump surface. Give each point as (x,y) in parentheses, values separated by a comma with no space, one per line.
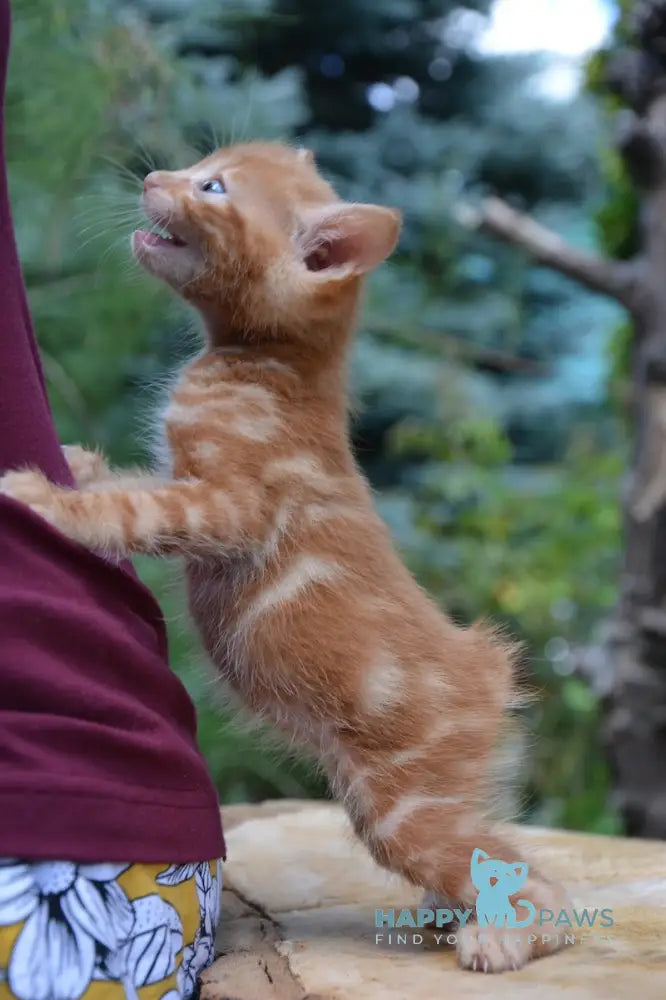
(299,922)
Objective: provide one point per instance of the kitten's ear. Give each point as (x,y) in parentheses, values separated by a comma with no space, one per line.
(306,156)
(479,856)
(350,239)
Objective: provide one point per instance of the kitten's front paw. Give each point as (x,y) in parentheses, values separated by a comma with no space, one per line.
(86,466)
(492,949)
(33,489)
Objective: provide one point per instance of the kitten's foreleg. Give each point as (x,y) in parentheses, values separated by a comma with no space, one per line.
(174,518)
(87,467)
(91,471)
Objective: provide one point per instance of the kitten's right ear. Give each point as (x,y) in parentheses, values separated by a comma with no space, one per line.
(347,239)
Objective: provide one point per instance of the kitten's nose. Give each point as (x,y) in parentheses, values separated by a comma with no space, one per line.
(152,180)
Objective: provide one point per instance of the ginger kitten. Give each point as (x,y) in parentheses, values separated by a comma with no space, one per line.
(301,599)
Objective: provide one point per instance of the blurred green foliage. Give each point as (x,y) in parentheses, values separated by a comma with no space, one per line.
(479,380)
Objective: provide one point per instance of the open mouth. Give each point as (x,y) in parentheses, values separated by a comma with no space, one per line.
(157,238)
(161,249)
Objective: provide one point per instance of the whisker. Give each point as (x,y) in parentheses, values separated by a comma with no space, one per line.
(123,171)
(147,157)
(249,109)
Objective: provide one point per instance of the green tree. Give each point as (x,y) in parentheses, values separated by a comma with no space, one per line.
(488,457)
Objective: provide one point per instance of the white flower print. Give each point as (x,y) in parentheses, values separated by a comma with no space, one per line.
(177,874)
(149,954)
(200,954)
(209,892)
(80,926)
(196,957)
(216,914)
(209,888)
(18,892)
(70,912)
(51,959)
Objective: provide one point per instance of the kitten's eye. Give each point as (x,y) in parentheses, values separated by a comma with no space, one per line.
(214,186)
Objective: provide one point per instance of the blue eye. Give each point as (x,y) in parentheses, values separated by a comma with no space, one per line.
(214,186)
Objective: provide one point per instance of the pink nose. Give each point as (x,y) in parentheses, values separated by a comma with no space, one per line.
(151,181)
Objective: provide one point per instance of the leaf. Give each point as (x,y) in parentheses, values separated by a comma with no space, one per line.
(150,954)
(177,874)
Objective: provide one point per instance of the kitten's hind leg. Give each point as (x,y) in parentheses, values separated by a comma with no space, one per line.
(439,903)
(429,839)
(499,949)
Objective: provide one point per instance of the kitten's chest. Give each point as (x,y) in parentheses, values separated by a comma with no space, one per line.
(193,436)
(210,418)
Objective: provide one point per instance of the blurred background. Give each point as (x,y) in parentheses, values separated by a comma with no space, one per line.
(493,397)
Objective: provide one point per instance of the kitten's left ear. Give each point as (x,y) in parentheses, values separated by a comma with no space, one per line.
(350,239)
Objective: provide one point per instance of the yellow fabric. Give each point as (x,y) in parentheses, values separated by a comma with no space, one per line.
(137,883)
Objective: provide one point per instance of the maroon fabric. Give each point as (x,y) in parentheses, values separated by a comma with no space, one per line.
(98,754)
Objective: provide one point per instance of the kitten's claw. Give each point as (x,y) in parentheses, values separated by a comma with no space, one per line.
(492,949)
(86,466)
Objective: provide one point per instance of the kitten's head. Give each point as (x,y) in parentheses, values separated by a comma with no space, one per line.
(256,234)
(489,873)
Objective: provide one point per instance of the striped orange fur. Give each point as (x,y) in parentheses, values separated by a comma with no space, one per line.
(303,604)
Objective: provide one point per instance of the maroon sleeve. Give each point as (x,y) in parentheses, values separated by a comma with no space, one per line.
(98,754)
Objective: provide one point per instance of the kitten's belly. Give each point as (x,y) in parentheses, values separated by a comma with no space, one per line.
(215,594)
(218,595)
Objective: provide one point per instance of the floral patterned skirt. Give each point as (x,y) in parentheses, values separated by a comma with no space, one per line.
(106,931)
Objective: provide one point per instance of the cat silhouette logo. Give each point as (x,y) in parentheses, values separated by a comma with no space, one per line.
(497,882)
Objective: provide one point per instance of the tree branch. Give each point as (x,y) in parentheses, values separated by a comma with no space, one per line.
(487,358)
(618,279)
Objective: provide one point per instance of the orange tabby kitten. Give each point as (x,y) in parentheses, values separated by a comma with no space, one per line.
(303,604)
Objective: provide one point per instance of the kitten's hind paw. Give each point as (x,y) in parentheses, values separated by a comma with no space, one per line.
(492,949)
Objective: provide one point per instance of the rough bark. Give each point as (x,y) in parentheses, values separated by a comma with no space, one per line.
(635,705)
(629,670)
